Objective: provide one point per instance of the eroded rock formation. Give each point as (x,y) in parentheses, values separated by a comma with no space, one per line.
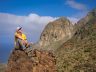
(60,29)
(39,61)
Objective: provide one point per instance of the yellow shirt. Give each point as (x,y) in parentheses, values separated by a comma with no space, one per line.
(23,36)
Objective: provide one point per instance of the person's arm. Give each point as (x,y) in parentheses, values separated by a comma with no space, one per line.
(26,41)
(18,36)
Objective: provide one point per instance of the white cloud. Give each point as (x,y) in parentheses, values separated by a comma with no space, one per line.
(33,18)
(40,19)
(73,19)
(33,24)
(11,19)
(77,16)
(76,5)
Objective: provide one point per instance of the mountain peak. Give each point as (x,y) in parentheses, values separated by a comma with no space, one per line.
(90,16)
(62,19)
(55,31)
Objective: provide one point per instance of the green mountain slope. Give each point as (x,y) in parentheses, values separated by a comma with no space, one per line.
(79,53)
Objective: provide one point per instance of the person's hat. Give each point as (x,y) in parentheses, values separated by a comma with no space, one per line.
(18,28)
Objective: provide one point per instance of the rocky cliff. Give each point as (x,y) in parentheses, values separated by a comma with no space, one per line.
(59,30)
(39,61)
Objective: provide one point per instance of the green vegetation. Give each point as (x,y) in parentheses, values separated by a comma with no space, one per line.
(79,53)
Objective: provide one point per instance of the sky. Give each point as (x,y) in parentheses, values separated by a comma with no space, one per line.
(33,16)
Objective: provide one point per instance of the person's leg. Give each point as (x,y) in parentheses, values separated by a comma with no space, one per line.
(17,45)
(20,44)
(29,45)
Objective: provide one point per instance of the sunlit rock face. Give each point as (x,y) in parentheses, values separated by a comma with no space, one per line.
(60,29)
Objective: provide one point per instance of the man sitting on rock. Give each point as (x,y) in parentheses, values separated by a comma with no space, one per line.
(20,39)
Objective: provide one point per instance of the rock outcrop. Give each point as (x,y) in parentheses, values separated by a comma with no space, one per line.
(60,29)
(19,62)
(39,61)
